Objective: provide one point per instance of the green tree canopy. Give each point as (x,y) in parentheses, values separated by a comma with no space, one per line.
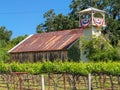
(5,34)
(18,39)
(5,46)
(99,49)
(56,22)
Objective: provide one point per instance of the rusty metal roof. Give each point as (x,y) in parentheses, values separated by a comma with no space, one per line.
(50,41)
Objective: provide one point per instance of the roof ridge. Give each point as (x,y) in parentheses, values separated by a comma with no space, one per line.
(60,31)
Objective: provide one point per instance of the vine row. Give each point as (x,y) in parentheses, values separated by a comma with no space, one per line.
(82,68)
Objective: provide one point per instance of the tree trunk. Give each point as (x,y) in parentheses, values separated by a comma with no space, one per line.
(55,85)
(74,85)
(72,81)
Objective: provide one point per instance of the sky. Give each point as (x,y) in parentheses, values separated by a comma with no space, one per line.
(23,16)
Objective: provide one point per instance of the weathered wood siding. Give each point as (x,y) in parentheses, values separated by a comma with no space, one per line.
(39,56)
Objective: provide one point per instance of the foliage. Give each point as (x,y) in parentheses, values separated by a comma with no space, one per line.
(5,34)
(99,49)
(18,39)
(56,22)
(6,44)
(111,6)
(112,31)
(4,40)
(74,52)
(4,56)
(108,68)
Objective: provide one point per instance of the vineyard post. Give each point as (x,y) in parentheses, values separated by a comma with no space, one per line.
(42,80)
(89,81)
(64,80)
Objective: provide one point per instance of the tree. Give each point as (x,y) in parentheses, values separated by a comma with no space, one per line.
(4,40)
(78,5)
(56,22)
(18,39)
(40,28)
(62,22)
(4,47)
(99,49)
(114,9)
(5,34)
(4,56)
(112,31)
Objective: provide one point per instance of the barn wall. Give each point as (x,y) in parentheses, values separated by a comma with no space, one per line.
(39,56)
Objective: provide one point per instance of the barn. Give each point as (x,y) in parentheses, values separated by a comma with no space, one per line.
(48,46)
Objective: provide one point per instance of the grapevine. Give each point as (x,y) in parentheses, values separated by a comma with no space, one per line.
(108,68)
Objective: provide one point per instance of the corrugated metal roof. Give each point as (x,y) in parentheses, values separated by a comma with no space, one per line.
(50,41)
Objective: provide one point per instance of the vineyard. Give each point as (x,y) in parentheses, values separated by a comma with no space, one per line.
(60,76)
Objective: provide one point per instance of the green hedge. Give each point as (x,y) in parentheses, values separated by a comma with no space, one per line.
(109,68)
